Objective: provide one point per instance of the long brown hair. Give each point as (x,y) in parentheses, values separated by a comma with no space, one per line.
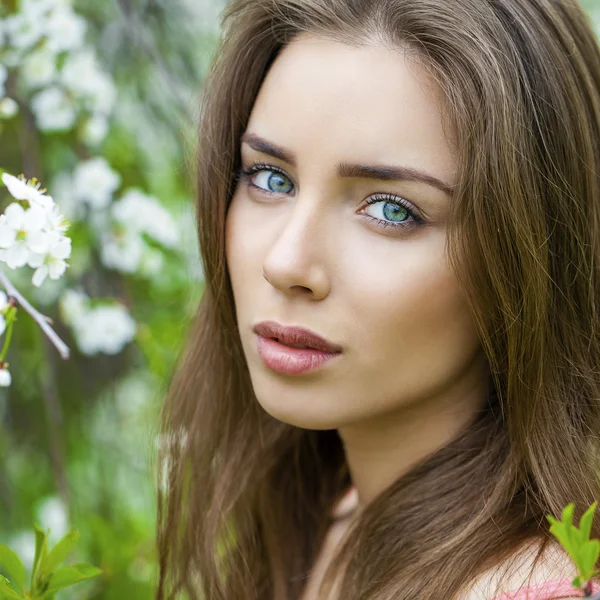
(244,499)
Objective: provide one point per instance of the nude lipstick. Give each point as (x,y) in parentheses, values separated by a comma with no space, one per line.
(292,350)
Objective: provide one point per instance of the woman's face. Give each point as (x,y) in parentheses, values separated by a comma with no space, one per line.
(341,229)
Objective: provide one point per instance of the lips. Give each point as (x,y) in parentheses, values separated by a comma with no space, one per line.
(295,336)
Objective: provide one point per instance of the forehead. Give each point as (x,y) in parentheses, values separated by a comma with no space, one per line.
(331,101)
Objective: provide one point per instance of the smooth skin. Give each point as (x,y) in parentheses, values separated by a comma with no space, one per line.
(372,278)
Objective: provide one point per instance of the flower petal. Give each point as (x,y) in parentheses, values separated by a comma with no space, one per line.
(39,242)
(5,379)
(34,218)
(8,236)
(36,259)
(62,249)
(39,276)
(14,215)
(16,256)
(16,187)
(57,268)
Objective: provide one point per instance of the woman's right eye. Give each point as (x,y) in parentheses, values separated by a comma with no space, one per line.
(268,179)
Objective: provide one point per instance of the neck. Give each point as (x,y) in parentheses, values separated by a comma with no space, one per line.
(380,451)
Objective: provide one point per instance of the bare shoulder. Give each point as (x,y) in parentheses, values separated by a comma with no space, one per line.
(522,570)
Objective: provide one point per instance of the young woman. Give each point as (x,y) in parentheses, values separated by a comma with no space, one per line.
(394,373)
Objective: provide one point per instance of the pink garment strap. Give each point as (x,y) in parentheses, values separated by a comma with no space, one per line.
(548,590)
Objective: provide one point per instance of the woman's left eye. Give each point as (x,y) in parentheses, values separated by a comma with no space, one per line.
(392,211)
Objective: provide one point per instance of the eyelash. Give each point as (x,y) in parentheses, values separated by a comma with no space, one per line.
(416,220)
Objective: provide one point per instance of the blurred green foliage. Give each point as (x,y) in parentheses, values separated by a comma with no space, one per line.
(78,437)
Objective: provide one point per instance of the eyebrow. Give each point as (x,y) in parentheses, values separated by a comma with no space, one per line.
(379,172)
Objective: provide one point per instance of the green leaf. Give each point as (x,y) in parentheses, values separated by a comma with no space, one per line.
(60,552)
(575,540)
(569,534)
(585,523)
(12,563)
(7,590)
(66,576)
(590,551)
(559,531)
(39,561)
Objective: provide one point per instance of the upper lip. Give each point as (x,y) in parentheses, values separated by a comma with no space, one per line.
(295,335)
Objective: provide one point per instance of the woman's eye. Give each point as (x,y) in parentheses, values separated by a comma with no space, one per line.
(268,180)
(385,211)
(391,212)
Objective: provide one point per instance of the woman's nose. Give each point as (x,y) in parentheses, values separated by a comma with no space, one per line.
(297,260)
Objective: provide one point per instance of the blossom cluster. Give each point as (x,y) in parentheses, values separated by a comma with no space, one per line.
(44,44)
(122,224)
(48,68)
(34,235)
(105,328)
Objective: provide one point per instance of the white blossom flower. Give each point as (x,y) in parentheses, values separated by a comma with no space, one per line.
(38,69)
(65,30)
(21,233)
(82,76)
(94,182)
(5,378)
(21,188)
(140,212)
(41,8)
(8,108)
(103,94)
(55,221)
(34,236)
(105,329)
(24,29)
(94,130)
(122,252)
(51,263)
(73,306)
(53,109)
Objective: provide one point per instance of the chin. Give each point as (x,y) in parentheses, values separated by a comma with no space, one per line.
(299,411)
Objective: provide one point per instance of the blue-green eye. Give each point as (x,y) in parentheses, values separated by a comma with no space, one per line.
(392,211)
(395,212)
(268,179)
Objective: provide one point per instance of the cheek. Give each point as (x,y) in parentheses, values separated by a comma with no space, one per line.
(413,327)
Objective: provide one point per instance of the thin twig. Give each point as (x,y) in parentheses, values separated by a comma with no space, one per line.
(38,317)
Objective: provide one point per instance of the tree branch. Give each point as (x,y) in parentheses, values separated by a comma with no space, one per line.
(38,317)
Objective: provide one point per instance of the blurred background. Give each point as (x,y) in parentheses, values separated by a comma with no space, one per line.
(98,99)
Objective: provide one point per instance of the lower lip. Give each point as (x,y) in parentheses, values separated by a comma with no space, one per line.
(291,361)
